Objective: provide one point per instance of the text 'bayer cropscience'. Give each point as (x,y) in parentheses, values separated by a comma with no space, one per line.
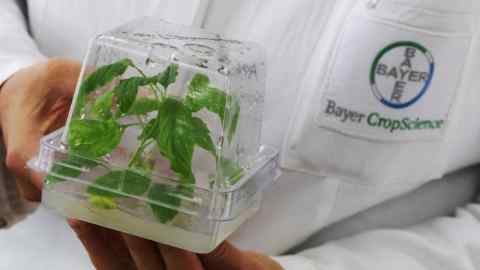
(376,120)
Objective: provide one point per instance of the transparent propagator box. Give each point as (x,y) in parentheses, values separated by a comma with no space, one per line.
(163,139)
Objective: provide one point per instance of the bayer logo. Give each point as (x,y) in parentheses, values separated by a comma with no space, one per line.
(401,74)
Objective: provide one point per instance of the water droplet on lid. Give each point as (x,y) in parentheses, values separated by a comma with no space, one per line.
(174,57)
(223,70)
(63,146)
(200,49)
(150,63)
(164,45)
(203,63)
(143,35)
(224,59)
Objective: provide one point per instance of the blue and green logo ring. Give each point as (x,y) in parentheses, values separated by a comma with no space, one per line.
(425,87)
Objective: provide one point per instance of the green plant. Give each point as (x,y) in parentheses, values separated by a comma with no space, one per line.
(166,121)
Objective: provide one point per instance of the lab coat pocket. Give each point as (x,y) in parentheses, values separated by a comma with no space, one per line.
(380,113)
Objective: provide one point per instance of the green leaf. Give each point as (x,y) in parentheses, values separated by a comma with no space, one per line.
(103,202)
(143,105)
(102,108)
(69,168)
(94,138)
(160,193)
(107,185)
(82,162)
(135,183)
(177,132)
(168,76)
(173,130)
(126,92)
(106,188)
(126,181)
(99,78)
(186,187)
(201,135)
(150,130)
(138,162)
(174,136)
(104,75)
(201,95)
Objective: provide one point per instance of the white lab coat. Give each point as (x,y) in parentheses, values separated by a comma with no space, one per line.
(293,31)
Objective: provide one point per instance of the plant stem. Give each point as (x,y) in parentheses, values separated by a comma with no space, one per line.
(154,88)
(131,125)
(141,122)
(138,152)
(139,70)
(144,143)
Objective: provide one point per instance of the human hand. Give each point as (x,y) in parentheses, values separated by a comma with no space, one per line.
(110,250)
(34,102)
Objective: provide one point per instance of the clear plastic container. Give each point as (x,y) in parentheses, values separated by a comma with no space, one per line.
(163,139)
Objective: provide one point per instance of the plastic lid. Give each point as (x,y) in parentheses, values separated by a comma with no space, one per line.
(444,16)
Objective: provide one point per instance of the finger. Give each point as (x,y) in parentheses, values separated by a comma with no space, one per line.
(23,147)
(178,259)
(31,188)
(144,253)
(99,251)
(261,261)
(36,178)
(61,105)
(118,245)
(226,256)
(63,75)
(29,183)
(28,191)
(56,119)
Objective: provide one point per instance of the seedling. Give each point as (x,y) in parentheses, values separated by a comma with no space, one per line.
(167,122)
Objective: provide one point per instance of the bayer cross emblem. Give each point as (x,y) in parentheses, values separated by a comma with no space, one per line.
(401,74)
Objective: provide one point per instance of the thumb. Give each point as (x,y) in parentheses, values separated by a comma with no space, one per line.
(29,182)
